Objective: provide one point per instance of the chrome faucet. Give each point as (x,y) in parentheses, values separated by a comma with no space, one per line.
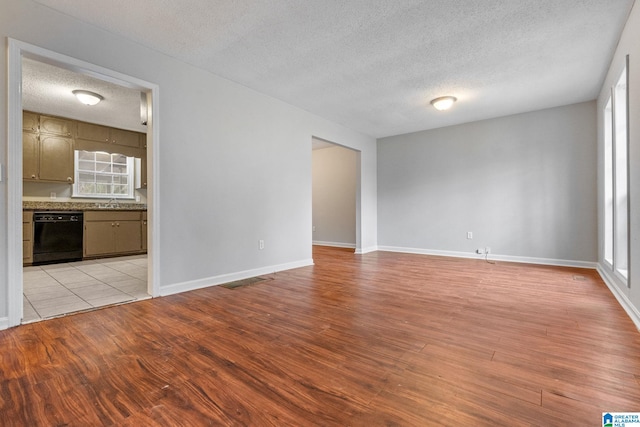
(112,203)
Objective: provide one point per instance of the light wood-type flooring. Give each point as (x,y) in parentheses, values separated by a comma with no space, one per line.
(381,339)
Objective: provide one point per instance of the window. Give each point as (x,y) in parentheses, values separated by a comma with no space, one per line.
(621,241)
(616,175)
(608,184)
(104,175)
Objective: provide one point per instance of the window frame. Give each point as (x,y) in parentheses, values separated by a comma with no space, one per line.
(616,173)
(130,164)
(608,193)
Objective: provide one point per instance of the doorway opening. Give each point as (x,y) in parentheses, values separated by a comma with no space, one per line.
(26,63)
(335,189)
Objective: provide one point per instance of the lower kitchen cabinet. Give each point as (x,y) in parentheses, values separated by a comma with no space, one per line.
(144,231)
(27,237)
(112,232)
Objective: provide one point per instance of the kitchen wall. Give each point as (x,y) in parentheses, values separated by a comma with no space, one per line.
(628,45)
(524,185)
(334,196)
(234,165)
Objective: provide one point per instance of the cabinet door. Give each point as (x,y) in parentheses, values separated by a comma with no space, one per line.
(56,126)
(27,237)
(30,121)
(56,158)
(144,231)
(27,252)
(128,236)
(29,156)
(99,238)
(93,132)
(125,137)
(143,171)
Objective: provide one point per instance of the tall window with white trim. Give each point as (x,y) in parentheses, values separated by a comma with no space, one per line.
(620,153)
(608,183)
(616,176)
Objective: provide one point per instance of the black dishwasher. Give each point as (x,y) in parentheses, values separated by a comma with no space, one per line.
(57,237)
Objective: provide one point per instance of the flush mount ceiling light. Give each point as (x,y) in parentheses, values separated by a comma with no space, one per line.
(443,102)
(86,97)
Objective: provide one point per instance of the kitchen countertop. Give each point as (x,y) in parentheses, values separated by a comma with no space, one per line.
(81,206)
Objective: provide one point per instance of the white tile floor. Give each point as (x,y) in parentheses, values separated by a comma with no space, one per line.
(57,289)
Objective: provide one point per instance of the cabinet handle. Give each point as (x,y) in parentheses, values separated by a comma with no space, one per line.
(117,224)
(33,176)
(69,179)
(113,224)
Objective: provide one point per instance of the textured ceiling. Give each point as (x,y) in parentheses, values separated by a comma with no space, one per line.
(47,89)
(374,65)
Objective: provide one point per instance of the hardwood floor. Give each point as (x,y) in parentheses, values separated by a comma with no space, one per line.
(381,339)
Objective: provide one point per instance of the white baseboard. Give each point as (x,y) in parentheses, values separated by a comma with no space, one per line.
(623,300)
(231,277)
(492,257)
(334,244)
(346,245)
(367,250)
(4,323)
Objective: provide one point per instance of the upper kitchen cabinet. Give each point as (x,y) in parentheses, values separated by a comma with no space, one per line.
(125,137)
(47,148)
(30,122)
(56,158)
(93,132)
(30,155)
(47,158)
(33,122)
(104,134)
(48,144)
(56,126)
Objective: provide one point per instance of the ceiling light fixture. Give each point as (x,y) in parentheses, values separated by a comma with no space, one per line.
(443,102)
(86,97)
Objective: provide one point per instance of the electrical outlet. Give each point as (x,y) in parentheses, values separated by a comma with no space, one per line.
(313,228)
(469,235)
(487,250)
(480,251)
(52,195)
(260,244)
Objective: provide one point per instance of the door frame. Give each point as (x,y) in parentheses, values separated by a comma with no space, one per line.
(17,50)
(358,170)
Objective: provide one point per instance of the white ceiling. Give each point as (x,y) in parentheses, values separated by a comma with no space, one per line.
(47,89)
(374,65)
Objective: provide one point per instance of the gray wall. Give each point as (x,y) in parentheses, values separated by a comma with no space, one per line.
(525,185)
(334,196)
(628,45)
(235,165)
